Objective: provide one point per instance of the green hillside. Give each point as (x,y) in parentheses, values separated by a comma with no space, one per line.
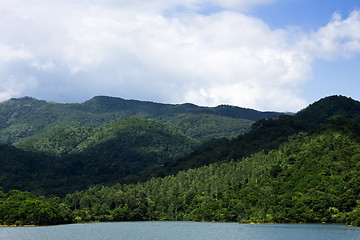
(77,157)
(113,139)
(133,149)
(311,178)
(266,134)
(294,168)
(27,117)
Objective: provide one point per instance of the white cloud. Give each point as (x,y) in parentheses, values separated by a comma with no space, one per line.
(339,38)
(9,85)
(7,54)
(161,5)
(132,49)
(13,87)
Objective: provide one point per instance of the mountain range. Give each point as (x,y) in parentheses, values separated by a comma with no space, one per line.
(27,117)
(61,148)
(117,159)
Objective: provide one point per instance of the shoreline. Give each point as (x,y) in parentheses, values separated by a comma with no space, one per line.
(249,223)
(14,225)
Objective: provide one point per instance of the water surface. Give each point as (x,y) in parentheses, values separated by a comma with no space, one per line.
(182,231)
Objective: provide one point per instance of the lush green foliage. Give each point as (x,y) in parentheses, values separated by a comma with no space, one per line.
(24,208)
(266,134)
(205,127)
(27,117)
(311,178)
(116,139)
(323,110)
(77,157)
(289,169)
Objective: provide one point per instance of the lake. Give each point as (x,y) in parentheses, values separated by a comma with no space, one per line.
(182,231)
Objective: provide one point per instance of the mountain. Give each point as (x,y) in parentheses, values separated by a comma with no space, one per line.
(78,157)
(292,168)
(311,178)
(323,110)
(266,134)
(159,141)
(136,149)
(28,117)
(66,147)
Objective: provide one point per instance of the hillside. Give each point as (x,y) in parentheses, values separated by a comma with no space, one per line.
(68,147)
(133,149)
(311,178)
(160,142)
(266,134)
(298,168)
(77,157)
(28,117)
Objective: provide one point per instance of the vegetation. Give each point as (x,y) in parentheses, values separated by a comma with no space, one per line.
(205,127)
(24,208)
(299,168)
(24,118)
(266,134)
(311,178)
(116,139)
(75,158)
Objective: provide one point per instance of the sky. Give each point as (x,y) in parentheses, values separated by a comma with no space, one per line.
(278,55)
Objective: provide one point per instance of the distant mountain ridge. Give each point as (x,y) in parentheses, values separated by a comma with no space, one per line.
(78,156)
(65,147)
(116,104)
(266,134)
(290,168)
(21,118)
(321,111)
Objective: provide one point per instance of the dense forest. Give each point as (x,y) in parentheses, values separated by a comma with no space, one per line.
(265,135)
(310,178)
(61,148)
(24,118)
(292,168)
(77,157)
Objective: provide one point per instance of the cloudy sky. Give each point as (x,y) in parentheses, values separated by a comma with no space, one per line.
(264,54)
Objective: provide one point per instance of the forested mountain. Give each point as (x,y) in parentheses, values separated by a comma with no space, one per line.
(103,140)
(311,178)
(78,157)
(27,117)
(133,149)
(266,134)
(160,142)
(322,111)
(293,168)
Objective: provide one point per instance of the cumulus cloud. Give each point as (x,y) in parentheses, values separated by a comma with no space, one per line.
(339,38)
(70,51)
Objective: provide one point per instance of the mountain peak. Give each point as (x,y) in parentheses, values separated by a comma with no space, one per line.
(320,111)
(23,101)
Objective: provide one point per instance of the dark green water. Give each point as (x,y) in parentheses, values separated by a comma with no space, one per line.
(183,231)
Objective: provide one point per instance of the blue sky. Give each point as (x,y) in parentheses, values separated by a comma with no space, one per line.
(307,14)
(339,76)
(264,54)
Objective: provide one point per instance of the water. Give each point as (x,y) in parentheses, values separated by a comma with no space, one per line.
(182,231)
